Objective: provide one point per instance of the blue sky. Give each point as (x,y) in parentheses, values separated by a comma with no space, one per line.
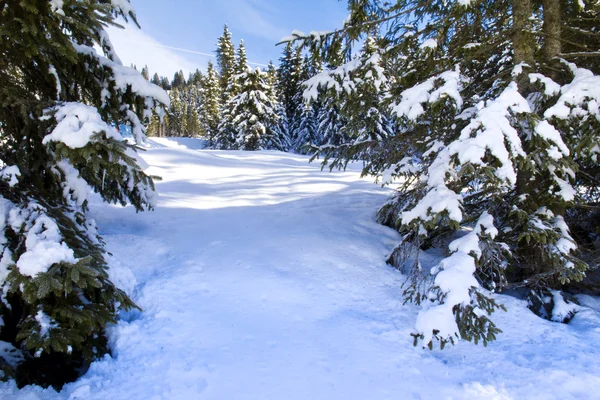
(195,25)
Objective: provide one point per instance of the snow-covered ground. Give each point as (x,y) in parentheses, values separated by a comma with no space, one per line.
(262,277)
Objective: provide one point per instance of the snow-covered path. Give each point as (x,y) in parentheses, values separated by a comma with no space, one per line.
(261,277)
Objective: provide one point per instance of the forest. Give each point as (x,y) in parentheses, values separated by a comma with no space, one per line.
(478,120)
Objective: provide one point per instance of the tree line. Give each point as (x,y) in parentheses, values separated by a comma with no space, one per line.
(235,106)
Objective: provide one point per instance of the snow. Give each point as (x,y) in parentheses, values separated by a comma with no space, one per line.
(123,5)
(46,324)
(10,174)
(562,309)
(74,186)
(57,6)
(261,277)
(43,242)
(583,90)
(77,123)
(52,71)
(10,354)
(455,279)
(412,99)
(429,44)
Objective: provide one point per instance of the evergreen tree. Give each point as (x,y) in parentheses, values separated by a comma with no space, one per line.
(493,135)
(146,73)
(272,80)
(306,131)
(165,84)
(210,115)
(254,114)
(177,114)
(240,68)
(227,136)
(289,81)
(332,124)
(225,62)
(192,122)
(178,80)
(60,103)
(155,79)
(280,127)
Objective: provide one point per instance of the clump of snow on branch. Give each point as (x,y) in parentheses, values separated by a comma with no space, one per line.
(44,244)
(583,90)
(77,123)
(489,131)
(10,174)
(74,186)
(46,324)
(343,78)
(56,6)
(454,278)
(446,84)
(123,6)
(492,130)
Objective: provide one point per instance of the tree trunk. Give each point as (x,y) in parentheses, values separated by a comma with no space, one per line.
(522,37)
(552,32)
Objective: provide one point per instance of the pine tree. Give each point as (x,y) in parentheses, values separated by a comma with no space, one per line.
(192,122)
(289,81)
(146,73)
(177,114)
(305,131)
(178,80)
(254,114)
(493,131)
(240,68)
(279,127)
(210,114)
(60,102)
(165,84)
(155,79)
(225,62)
(227,136)
(332,124)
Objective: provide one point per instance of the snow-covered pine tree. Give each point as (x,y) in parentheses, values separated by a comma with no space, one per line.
(288,85)
(240,68)
(367,123)
(254,114)
(279,127)
(146,73)
(60,103)
(192,122)
(494,129)
(306,134)
(177,113)
(227,137)
(225,55)
(332,125)
(306,131)
(211,113)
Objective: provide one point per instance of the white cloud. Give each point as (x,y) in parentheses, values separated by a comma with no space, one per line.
(136,47)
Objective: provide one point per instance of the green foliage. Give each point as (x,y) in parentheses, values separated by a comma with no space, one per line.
(56,296)
(429,77)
